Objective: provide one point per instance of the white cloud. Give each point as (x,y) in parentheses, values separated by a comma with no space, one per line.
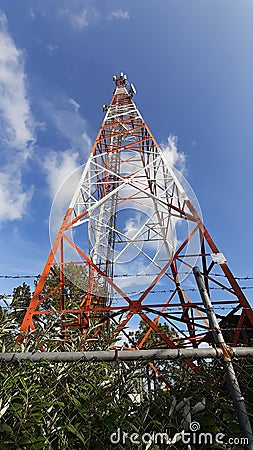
(62,176)
(17,128)
(58,166)
(75,105)
(63,114)
(119,14)
(79,16)
(32,15)
(52,49)
(13,198)
(174,157)
(79,20)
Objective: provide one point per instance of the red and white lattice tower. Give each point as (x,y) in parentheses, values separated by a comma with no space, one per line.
(135,228)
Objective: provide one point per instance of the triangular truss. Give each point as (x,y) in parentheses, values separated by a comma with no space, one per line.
(133,227)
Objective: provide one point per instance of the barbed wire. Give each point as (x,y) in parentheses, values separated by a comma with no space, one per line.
(172,308)
(123,275)
(170,291)
(161,291)
(247,277)
(135,292)
(19,276)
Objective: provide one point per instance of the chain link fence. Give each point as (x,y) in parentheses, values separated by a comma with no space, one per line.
(92,403)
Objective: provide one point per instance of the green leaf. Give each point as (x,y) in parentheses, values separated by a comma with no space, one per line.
(157,422)
(77,433)
(4,428)
(39,445)
(4,409)
(24,440)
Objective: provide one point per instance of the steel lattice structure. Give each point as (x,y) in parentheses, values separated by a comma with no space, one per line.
(137,234)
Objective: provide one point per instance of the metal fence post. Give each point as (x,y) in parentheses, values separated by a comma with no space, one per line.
(231,377)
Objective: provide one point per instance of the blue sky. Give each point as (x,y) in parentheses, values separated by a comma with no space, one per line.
(191,62)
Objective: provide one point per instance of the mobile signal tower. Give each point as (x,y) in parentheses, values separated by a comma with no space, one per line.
(134,230)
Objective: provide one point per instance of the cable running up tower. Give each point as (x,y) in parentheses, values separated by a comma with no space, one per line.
(133,229)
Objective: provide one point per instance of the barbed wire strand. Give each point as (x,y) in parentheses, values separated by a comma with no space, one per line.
(246,277)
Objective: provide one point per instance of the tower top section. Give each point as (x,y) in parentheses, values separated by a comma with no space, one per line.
(122,82)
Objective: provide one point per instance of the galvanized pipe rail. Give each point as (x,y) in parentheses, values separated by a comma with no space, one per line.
(125,355)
